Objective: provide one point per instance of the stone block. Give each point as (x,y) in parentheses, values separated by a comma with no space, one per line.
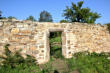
(42,51)
(25,31)
(36,52)
(1,24)
(41,46)
(41,54)
(15,30)
(19,25)
(33,48)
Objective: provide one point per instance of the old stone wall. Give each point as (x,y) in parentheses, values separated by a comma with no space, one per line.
(33,38)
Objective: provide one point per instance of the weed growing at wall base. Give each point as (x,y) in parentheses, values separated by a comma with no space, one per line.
(15,63)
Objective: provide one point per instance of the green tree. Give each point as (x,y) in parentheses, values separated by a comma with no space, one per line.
(45,17)
(76,13)
(63,21)
(11,17)
(1,17)
(108,26)
(31,18)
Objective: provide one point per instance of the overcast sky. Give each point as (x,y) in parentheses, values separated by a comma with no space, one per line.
(21,9)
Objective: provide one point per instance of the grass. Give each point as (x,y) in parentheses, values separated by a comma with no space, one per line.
(56,39)
(84,62)
(90,63)
(22,68)
(47,68)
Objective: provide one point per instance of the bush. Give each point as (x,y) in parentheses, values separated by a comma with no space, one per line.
(22,68)
(15,63)
(55,39)
(63,21)
(55,34)
(56,52)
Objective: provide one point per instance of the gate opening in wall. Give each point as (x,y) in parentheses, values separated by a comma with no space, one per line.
(55,42)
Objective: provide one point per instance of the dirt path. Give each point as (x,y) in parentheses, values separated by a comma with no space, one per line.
(57,64)
(60,66)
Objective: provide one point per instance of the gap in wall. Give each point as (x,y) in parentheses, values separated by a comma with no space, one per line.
(55,42)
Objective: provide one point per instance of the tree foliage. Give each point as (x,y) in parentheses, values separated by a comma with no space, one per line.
(108,26)
(31,18)
(45,17)
(1,17)
(11,17)
(63,21)
(76,13)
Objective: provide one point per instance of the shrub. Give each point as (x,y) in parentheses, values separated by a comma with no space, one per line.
(55,39)
(15,63)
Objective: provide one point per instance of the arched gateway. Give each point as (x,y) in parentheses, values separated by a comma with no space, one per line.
(33,38)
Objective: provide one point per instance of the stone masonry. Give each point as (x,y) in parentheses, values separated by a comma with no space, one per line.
(33,38)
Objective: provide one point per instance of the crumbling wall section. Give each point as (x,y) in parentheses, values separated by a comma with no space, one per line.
(33,38)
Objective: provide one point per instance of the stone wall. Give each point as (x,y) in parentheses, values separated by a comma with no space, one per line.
(33,38)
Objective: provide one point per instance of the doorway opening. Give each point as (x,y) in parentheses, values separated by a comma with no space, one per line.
(55,40)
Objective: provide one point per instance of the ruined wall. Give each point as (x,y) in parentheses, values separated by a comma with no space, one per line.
(33,38)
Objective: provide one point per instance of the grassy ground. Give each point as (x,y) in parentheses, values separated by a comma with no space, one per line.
(24,68)
(90,63)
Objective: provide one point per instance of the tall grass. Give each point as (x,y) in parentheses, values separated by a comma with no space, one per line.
(90,63)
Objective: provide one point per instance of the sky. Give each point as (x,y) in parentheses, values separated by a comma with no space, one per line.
(21,9)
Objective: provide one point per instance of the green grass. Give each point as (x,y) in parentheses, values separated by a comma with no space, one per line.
(56,52)
(90,63)
(22,68)
(46,68)
(56,39)
(85,62)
